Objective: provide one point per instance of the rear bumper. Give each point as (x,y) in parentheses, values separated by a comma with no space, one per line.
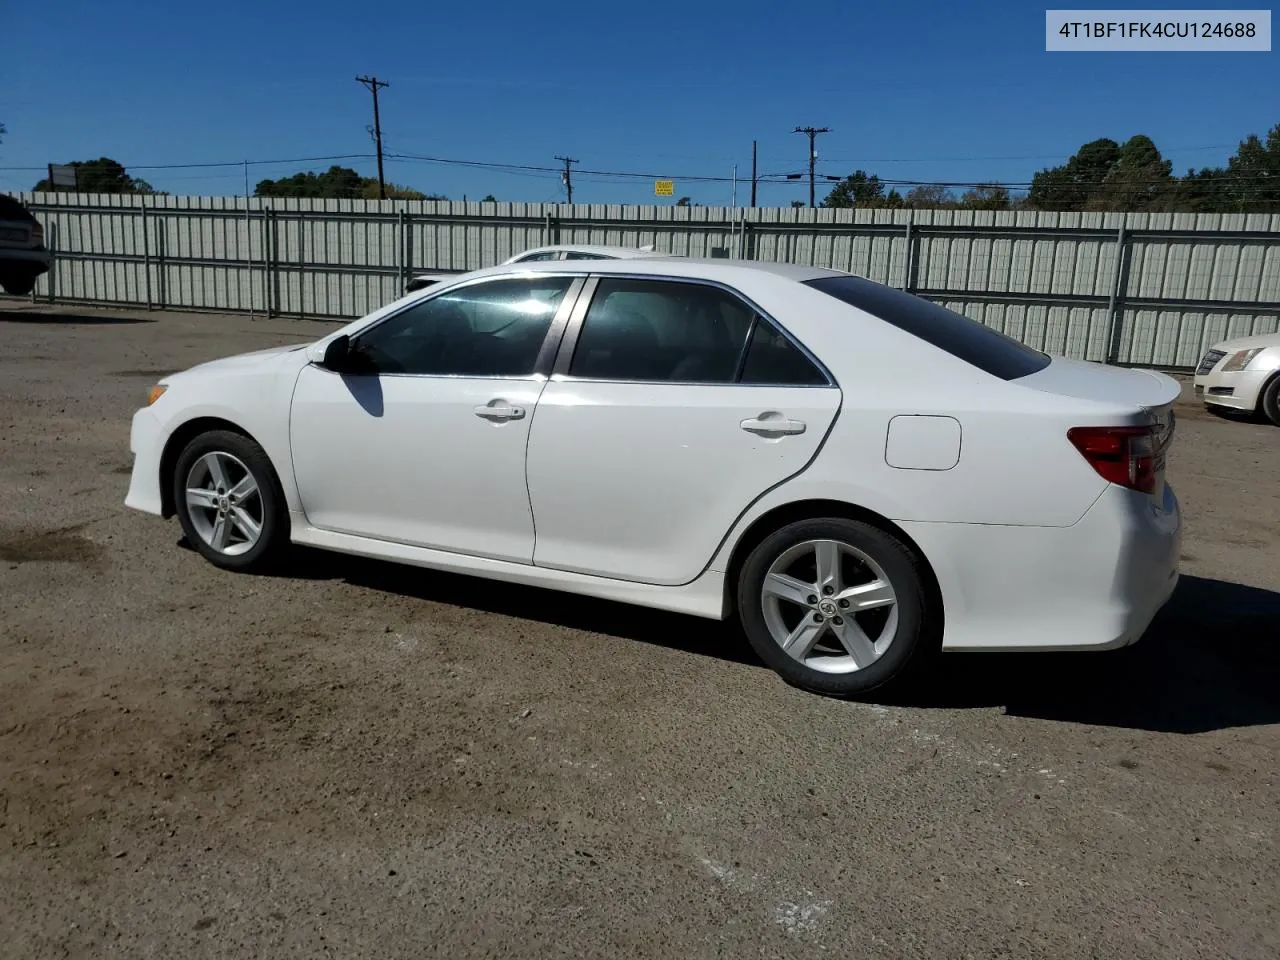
(146,443)
(22,262)
(1095,585)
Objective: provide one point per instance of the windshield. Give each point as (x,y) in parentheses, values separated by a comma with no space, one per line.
(975,343)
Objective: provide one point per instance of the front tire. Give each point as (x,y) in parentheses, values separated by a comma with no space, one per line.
(835,606)
(1270,403)
(229,501)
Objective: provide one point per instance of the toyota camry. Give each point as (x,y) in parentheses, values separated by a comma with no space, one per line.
(855,476)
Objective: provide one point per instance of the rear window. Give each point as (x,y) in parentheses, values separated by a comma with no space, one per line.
(973,342)
(11,209)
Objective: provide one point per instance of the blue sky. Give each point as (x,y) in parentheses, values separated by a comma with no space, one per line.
(942,91)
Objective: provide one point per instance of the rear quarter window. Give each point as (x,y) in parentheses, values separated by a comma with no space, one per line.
(966,339)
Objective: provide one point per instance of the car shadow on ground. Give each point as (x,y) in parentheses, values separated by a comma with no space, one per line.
(1210,660)
(691,634)
(66,319)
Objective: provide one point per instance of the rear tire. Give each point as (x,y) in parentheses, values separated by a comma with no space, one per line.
(1270,402)
(229,501)
(835,606)
(18,286)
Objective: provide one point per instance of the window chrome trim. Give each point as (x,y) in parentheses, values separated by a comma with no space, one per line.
(560,373)
(569,343)
(550,342)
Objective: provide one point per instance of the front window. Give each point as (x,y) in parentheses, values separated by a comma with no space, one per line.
(493,329)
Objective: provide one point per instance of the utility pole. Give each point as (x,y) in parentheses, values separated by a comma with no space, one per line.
(753,173)
(373,83)
(568,180)
(812,132)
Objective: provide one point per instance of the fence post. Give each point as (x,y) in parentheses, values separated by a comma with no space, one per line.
(52,243)
(146,252)
(266,263)
(1115,301)
(909,259)
(162,245)
(248,252)
(272,256)
(404,251)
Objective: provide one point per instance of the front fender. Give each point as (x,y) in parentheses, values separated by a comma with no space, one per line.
(255,401)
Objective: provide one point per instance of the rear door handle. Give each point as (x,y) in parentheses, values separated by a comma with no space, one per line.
(777,425)
(499,411)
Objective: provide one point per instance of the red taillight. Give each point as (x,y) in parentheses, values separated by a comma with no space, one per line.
(1122,455)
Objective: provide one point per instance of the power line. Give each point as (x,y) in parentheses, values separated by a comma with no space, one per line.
(568,179)
(780,178)
(216,163)
(373,83)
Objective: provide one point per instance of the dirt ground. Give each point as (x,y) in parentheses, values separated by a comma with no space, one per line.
(362,760)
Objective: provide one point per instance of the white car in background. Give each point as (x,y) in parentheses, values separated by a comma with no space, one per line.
(1242,374)
(855,474)
(567,251)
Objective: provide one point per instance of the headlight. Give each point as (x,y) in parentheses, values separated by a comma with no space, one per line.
(155,393)
(1238,361)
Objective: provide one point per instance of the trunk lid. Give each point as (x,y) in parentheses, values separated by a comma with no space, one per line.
(1146,389)
(17,233)
(1143,397)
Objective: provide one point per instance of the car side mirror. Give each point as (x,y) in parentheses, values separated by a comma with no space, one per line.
(337,355)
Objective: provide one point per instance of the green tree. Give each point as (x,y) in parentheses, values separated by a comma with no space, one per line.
(488,198)
(1070,186)
(859,189)
(1140,179)
(1253,174)
(336,183)
(103,175)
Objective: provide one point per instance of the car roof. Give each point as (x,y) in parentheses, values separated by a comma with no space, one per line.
(670,266)
(602,249)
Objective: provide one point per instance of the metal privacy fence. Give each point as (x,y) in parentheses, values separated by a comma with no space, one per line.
(1147,289)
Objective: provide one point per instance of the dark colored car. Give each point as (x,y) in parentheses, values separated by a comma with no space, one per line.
(23,255)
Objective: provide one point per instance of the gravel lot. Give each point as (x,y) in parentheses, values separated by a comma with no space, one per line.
(362,760)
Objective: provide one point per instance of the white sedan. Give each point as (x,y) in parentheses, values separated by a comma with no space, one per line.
(855,475)
(1242,374)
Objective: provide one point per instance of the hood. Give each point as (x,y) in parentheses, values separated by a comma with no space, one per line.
(243,361)
(1247,343)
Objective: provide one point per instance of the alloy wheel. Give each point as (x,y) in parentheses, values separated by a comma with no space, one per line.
(224,503)
(829,606)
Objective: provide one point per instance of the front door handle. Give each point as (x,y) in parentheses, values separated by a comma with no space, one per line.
(773,424)
(498,411)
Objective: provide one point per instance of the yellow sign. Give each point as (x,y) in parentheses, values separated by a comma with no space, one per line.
(664,188)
